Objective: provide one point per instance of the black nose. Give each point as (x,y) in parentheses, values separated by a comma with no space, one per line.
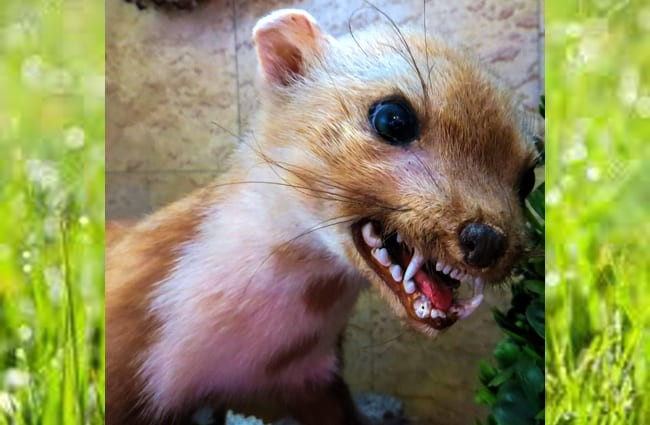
(482,244)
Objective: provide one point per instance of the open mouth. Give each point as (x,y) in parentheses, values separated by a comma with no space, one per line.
(426,287)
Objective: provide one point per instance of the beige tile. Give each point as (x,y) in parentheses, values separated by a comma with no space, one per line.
(127,196)
(132,195)
(169,76)
(166,188)
(358,347)
(443,371)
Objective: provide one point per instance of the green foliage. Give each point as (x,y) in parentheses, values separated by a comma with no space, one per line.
(598,275)
(514,388)
(52,209)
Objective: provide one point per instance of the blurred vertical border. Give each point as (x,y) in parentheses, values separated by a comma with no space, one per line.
(597,201)
(52,212)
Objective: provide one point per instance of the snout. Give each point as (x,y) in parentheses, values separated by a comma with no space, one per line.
(482,245)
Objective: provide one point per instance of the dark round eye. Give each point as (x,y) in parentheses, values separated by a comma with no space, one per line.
(395,121)
(527,184)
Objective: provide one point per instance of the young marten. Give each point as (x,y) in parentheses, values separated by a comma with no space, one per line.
(387,157)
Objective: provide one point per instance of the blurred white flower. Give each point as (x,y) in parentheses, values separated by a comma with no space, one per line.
(74,137)
(54,280)
(31,71)
(576,152)
(84,220)
(552,278)
(16,378)
(51,227)
(43,174)
(553,196)
(593,173)
(25,333)
(17,34)
(27,268)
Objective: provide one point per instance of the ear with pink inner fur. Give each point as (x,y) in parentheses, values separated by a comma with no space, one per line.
(283,40)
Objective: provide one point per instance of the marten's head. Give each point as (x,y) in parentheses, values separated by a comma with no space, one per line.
(414,157)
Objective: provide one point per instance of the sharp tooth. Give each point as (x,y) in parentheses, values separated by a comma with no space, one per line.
(422,307)
(439,265)
(370,237)
(435,313)
(478,286)
(381,254)
(396,272)
(414,265)
(447,269)
(409,286)
(461,276)
(466,307)
(454,273)
(399,238)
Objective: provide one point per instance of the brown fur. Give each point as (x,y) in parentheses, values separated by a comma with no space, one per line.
(322,294)
(295,351)
(134,263)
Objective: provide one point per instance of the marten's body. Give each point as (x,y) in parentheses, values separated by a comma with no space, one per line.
(374,159)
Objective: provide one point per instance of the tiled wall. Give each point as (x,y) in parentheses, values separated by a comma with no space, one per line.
(180,86)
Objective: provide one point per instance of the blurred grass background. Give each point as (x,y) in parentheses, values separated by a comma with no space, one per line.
(52,209)
(597,199)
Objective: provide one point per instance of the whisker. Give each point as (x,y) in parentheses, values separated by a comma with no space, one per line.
(426,44)
(352,32)
(399,33)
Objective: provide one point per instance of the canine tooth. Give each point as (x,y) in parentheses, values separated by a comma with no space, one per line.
(399,238)
(435,313)
(478,286)
(414,265)
(439,265)
(454,273)
(447,269)
(381,254)
(422,307)
(467,307)
(370,237)
(409,286)
(396,272)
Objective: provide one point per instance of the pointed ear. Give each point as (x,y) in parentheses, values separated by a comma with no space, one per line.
(284,40)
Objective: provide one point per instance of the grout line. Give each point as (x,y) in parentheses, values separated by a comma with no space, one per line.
(234,24)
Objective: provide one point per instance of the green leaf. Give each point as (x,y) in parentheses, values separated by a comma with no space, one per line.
(531,378)
(535,286)
(485,396)
(486,372)
(535,316)
(502,377)
(506,353)
(537,200)
(513,406)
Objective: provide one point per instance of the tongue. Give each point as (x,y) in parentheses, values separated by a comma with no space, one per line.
(438,293)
